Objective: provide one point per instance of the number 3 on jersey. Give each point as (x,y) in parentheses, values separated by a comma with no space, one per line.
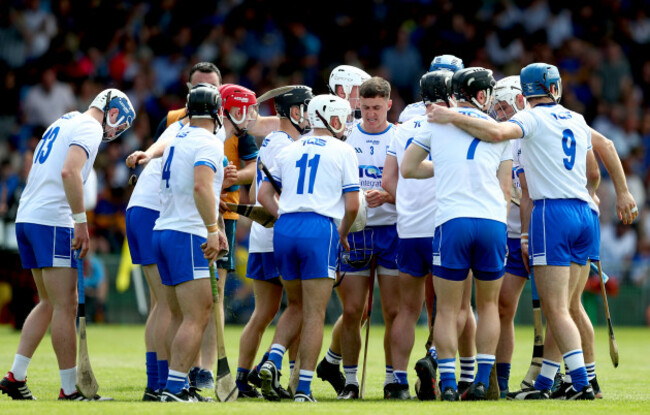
(302,164)
(166,172)
(48,140)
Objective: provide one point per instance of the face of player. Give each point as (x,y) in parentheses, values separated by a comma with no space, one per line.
(353,98)
(374,113)
(503,110)
(113,132)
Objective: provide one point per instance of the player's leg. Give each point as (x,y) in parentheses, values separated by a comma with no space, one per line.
(329,368)
(152,356)
(429,298)
(389,288)
(466,329)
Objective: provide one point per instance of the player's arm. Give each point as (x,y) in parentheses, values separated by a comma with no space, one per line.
(266,197)
(390,176)
(625,204)
(206,204)
(265,126)
(246,175)
(593,174)
(476,127)
(504,174)
(351,210)
(155,150)
(74,192)
(415,165)
(525,209)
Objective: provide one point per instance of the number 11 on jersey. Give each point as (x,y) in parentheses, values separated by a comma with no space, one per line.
(303,163)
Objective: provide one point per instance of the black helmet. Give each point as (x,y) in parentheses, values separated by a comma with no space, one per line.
(204,101)
(436,86)
(300,95)
(466,83)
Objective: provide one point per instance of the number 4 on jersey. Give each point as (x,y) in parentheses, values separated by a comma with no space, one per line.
(166,172)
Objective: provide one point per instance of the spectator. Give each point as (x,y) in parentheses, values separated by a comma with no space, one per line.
(47,101)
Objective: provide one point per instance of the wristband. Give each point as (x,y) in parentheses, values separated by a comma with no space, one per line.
(79,217)
(213,228)
(213,233)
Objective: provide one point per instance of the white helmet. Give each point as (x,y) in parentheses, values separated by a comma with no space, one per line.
(506,90)
(322,108)
(347,76)
(114,98)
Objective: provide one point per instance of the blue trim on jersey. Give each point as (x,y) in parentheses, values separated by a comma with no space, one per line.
(424,146)
(351,189)
(367,133)
(546,104)
(391,153)
(523,130)
(251,156)
(84,148)
(206,163)
(277,180)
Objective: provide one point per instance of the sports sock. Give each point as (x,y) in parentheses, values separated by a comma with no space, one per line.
(401,377)
(390,377)
(485,363)
(467,369)
(152,370)
(176,381)
(68,380)
(304,382)
(19,368)
(264,358)
(576,363)
(351,375)
(546,375)
(242,379)
(591,370)
(276,354)
(163,372)
(447,369)
(503,375)
(333,358)
(433,352)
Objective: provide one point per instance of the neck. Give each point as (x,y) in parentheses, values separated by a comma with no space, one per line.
(464,104)
(321,132)
(540,100)
(373,129)
(287,127)
(96,113)
(206,123)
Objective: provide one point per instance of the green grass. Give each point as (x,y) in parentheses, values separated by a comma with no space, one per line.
(117,356)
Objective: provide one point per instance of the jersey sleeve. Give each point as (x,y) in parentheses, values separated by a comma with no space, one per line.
(423,140)
(391,150)
(275,168)
(88,136)
(247,148)
(506,154)
(526,121)
(350,177)
(210,154)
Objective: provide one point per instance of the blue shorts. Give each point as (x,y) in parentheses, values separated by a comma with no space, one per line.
(594,251)
(305,246)
(262,267)
(228,261)
(462,244)
(42,246)
(515,263)
(179,257)
(415,256)
(561,232)
(139,233)
(381,241)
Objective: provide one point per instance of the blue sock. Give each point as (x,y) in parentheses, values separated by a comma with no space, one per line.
(467,367)
(433,352)
(242,379)
(163,372)
(152,370)
(400,377)
(276,354)
(485,363)
(304,382)
(576,363)
(186,385)
(543,383)
(264,358)
(503,375)
(176,381)
(447,369)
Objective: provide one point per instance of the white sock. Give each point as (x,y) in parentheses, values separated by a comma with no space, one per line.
(390,377)
(351,375)
(68,380)
(19,368)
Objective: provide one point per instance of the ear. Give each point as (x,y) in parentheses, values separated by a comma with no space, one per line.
(480,97)
(520,102)
(335,123)
(390,104)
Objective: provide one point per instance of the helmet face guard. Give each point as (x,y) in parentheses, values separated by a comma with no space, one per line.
(299,97)
(244,99)
(361,250)
(323,108)
(114,99)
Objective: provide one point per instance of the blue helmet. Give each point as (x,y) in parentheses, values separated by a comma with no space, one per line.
(537,78)
(106,101)
(448,62)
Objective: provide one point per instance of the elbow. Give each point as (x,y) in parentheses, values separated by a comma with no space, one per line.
(66,174)
(407,171)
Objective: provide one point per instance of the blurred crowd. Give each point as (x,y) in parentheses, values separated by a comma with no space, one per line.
(56,55)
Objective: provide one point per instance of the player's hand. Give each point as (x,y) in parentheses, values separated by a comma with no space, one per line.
(524,255)
(626,208)
(223,245)
(81,239)
(229,176)
(376,198)
(343,238)
(211,247)
(439,114)
(137,158)
(222,203)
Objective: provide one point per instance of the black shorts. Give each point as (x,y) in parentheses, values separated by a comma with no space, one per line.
(228,261)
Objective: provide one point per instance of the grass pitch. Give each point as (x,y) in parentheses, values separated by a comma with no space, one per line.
(118,358)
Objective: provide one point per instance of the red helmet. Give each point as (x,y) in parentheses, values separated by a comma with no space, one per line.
(243,98)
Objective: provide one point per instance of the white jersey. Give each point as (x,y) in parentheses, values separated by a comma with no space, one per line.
(314,172)
(371,150)
(146,193)
(415,199)
(554,149)
(514,217)
(43,201)
(465,170)
(414,110)
(261,238)
(192,146)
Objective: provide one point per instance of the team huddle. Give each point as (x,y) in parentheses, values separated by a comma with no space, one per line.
(483,182)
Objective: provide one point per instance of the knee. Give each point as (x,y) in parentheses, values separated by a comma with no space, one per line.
(507,309)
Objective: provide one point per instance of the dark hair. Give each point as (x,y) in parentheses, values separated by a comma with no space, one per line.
(205,67)
(375,87)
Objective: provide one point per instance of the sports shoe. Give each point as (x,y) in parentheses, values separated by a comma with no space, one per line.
(598,393)
(194,392)
(16,389)
(252,393)
(397,391)
(303,397)
(204,379)
(449,394)
(350,391)
(558,384)
(476,392)
(150,395)
(182,396)
(425,368)
(585,394)
(194,372)
(332,374)
(503,393)
(529,394)
(463,386)
(254,378)
(270,381)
